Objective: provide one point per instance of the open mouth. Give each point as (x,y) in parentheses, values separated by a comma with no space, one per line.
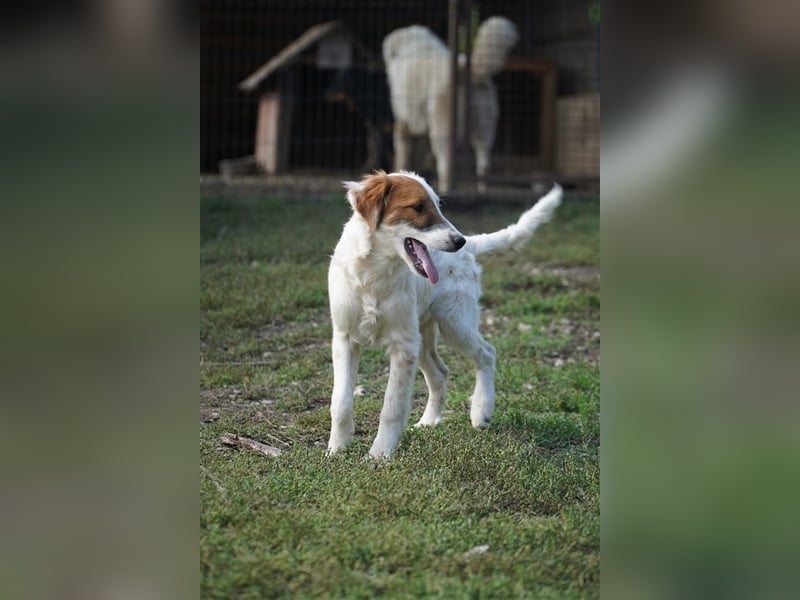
(421,259)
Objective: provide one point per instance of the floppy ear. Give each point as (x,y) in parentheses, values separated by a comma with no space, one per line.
(372,198)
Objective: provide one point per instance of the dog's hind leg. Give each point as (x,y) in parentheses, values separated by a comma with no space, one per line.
(402,146)
(469,341)
(481,167)
(482,399)
(441,149)
(435,372)
(346,353)
(481,161)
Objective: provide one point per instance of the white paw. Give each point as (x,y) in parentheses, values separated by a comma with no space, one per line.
(427,421)
(335,445)
(379,450)
(382,454)
(480,422)
(480,412)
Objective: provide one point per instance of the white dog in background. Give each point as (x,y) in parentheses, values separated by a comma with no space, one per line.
(418,71)
(402,275)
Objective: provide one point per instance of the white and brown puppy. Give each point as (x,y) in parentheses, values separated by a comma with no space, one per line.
(400,277)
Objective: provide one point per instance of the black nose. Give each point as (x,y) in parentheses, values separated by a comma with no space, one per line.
(459,242)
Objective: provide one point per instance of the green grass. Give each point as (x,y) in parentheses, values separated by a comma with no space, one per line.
(308,526)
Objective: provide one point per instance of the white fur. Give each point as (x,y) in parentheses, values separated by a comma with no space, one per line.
(377,298)
(418,71)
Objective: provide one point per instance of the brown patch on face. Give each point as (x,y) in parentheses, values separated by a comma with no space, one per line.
(371,202)
(410,203)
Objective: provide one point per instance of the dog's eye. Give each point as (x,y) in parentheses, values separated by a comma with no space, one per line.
(419,207)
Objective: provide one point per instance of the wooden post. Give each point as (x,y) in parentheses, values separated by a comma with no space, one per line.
(452,42)
(274,126)
(548,118)
(467,82)
(266,150)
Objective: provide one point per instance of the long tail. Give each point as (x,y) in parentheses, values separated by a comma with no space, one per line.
(514,236)
(496,36)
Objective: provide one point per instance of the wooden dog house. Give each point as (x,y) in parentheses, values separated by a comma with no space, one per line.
(327,46)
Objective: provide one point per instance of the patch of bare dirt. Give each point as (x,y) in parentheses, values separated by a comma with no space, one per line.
(584,343)
(229,399)
(577,274)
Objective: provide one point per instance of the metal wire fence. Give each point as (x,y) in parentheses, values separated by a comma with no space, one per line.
(301,87)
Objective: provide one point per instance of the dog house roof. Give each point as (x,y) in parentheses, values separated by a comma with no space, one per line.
(293,51)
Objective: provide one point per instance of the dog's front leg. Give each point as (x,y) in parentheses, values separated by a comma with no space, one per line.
(346,353)
(402,146)
(398,399)
(439,137)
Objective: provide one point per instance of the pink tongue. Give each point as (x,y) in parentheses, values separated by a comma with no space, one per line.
(427,263)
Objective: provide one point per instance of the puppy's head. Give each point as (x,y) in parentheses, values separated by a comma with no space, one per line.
(402,212)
